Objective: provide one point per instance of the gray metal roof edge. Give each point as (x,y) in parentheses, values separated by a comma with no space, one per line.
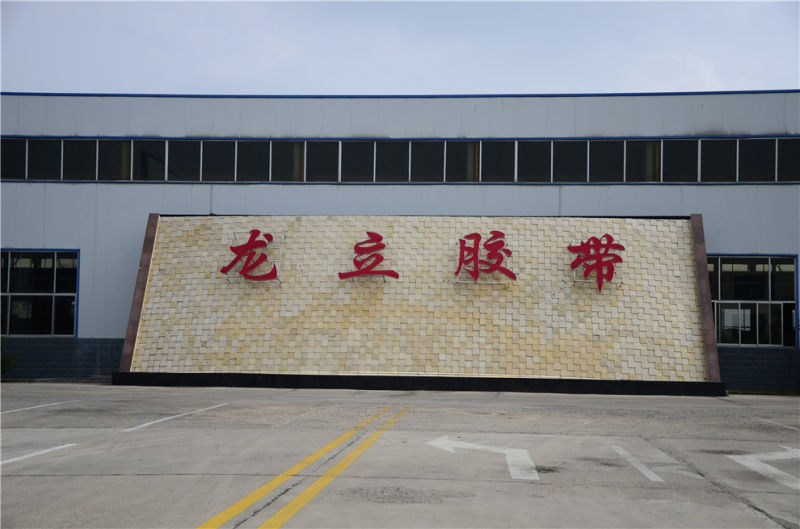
(400,96)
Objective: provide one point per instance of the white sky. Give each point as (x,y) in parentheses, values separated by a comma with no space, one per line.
(365,48)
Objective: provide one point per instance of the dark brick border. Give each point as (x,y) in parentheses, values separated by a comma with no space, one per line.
(138,292)
(407,383)
(704,290)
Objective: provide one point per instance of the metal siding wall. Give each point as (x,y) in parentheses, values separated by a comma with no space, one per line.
(473,117)
(106,221)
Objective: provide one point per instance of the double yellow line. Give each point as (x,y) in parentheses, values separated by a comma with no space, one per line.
(283,515)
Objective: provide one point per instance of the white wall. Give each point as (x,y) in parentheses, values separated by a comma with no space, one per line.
(741,114)
(106,222)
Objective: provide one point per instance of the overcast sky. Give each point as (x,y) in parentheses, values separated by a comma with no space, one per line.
(370,48)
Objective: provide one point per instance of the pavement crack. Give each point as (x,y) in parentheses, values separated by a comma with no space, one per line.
(269,503)
(313,474)
(725,489)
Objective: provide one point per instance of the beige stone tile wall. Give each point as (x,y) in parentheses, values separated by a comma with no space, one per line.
(544,324)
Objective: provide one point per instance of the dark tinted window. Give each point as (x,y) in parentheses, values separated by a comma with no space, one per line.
(357,157)
(533,161)
(718,161)
(148,160)
(4,277)
(391,163)
(744,278)
(34,276)
(788,160)
(322,161)
(569,161)
(31,314)
(606,161)
(184,161)
(64,315)
(748,323)
(287,161)
(680,161)
(80,159)
(218,161)
(756,160)
(427,161)
(114,160)
(31,272)
(783,274)
(462,161)
(252,161)
(4,314)
(44,159)
(769,324)
(12,159)
(497,161)
(713,276)
(789,324)
(66,271)
(728,322)
(643,161)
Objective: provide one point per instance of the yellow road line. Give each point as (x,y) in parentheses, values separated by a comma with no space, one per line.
(283,516)
(265,489)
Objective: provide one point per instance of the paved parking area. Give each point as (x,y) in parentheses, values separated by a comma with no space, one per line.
(91,456)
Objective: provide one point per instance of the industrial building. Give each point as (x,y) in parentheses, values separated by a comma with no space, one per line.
(81,173)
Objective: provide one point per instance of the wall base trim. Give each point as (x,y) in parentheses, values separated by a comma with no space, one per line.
(429,383)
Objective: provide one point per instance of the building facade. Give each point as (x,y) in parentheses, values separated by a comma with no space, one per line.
(81,173)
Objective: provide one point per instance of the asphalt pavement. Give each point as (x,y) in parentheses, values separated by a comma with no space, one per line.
(96,456)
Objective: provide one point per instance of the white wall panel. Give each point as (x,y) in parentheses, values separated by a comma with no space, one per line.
(561,119)
(474,117)
(87,114)
(9,114)
(32,118)
(745,219)
(792,109)
(144,116)
(172,118)
(65,114)
(23,222)
(226,116)
(194,118)
(738,114)
(768,114)
(116,118)
(338,117)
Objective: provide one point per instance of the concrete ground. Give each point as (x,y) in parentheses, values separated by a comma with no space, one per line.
(92,456)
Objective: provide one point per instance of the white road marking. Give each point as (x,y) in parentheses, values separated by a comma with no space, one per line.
(779,424)
(755,462)
(519,462)
(145,425)
(677,469)
(34,454)
(638,465)
(41,406)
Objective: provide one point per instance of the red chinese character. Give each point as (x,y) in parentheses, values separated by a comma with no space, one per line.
(596,255)
(252,259)
(366,265)
(469,256)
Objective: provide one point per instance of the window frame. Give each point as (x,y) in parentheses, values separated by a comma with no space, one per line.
(700,143)
(716,303)
(54,293)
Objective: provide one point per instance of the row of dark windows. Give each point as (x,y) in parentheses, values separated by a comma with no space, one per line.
(685,160)
(39,292)
(754,300)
